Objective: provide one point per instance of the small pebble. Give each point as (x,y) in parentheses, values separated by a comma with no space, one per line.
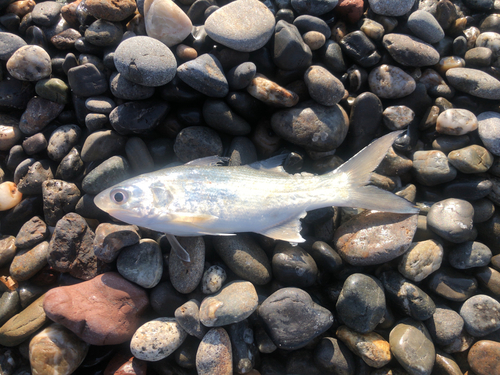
(141,263)
(456,122)
(469,254)
(422,259)
(9,195)
(166,21)
(213,279)
(484,357)
(481,315)
(445,325)
(451,219)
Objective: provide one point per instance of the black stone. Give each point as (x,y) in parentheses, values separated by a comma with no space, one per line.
(138,117)
(86,80)
(290,50)
(358,47)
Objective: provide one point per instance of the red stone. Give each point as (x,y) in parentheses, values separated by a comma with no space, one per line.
(102,311)
(350,10)
(122,364)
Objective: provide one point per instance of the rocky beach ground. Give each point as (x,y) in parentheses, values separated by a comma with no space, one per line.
(93,92)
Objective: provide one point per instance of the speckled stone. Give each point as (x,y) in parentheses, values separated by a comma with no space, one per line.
(373,349)
(196,142)
(111,10)
(375,237)
(157,339)
(214,355)
(481,315)
(398,117)
(421,259)
(38,114)
(469,254)
(204,74)
(28,262)
(188,317)
(243,25)
(31,233)
(323,86)
(141,263)
(456,121)
(56,350)
(184,276)
(410,51)
(474,82)
(489,131)
(484,357)
(293,266)
(233,303)
(451,219)
(59,198)
(389,8)
(432,168)
(445,325)
(412,346)
(390,82)
(9,43)
(29,63)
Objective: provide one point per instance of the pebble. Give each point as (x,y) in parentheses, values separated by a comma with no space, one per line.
(456,122)
(471,159)
(474,82)
(425,26)
(204,74)
(323,86)
(145,61)
(111,238)
(243,25)
(293,266)
(7,249)
(185,276)
(213,279)
(62,140)
(361,303)
(104,33)
(157,339)
(219,116)
(445,325)
(422,259)
(86,80)
(293,319)
(110,10)
(271,93)
(188,317)
(9,305)
(196,142)
(9,196)
(108,173)
(102,316)
(243,255)
(141,116)
(489,279)
(451,219)
(29,63)
(214,354)
(360,48)
(9,43)
(389,8)
(166,21)
(38,172)
(53,89)
(489,129)
(101,145)
(141,263)
(56,349)
(481,315)
(332,355)
(371,347)
(484,357)
(374,237)
(452,285)
(412,347)
(70,166)
(233,303)
(432,168)
(241,75)
(28,262)
(390,82)
(398,117)
(10,132)
(38,114)
(290,51)
(410,51)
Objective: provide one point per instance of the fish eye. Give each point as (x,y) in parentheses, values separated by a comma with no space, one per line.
(119,196)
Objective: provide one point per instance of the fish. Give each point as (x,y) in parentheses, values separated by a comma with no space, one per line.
(202,197)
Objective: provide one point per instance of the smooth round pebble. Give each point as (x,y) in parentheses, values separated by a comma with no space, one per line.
(484,357)
(165,21)
(323,86)
(141,263)
(390,8)
(489,131)
(481,315)
(452,219)
(29,63)
(469,254)
(456,121)
(390,82)
(214,354)
(474,82)
(9,195)
(185,276)
(425,26)
(213,279)
(421,259)
(471,159)
(445,325)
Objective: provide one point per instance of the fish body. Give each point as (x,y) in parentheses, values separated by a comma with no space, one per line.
(200,198)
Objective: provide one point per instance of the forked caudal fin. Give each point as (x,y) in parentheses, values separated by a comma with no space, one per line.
(357,171)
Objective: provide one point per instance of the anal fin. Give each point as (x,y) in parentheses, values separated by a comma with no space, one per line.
(177,248)
(287,231)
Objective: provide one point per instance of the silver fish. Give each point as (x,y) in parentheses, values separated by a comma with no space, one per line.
(201,198)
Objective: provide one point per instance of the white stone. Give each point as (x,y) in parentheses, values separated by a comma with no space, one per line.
(489,131)
(165,21)
(29,63)
(9,195)
(456,121)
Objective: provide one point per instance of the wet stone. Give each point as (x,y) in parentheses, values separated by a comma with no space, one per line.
(489,131)
(292,319)
(445,325)
(37,173)
(271,93)
(474,82)
(452,285)
(373,349)
(56,349)
(157,339)
(214,355)
(290,50)
(101,312)
(204,74)
(451,219)
(70,166)
(145,61)
(243,25)
(28,262)
(108,173)
(407,296)
(31,233)
(432,168)
(323,86)
(425,26)
(219,116)
(185,276)
(332,355)
(456,121)
(361,304)
(233,303)
(412,346)
(293,266)
(481,315)
(469,254)
(9,43)
(422,259)
(360,48)
(29,63)
(244,257)
(390,82)
(101,145)
(138,117)
(7,249)
(196,142)
(374,237)
(188,317)
(410,51)
(86,80)
(38,114)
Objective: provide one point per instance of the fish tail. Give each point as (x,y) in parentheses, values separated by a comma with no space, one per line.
(356,173)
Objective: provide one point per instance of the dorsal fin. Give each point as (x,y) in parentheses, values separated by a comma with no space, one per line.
(273,164)
(209,161)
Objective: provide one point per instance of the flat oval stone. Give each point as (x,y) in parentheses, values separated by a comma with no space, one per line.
(432,168)
(361,303)
(123,88)
(196,142)
(452,285)
(293,319)
(138,117)
(165,21)
(425,26)
(489,131)
(244,257)
(412,346)
(214,354)
(445,325)
(31,233)
(271,93)
(481,315)
(489,278)
(29,63)
(184,276)
(312,126)
(104,33)
(374,237)
(100,311)
(204,74)
(157,339)
(373,349)
(456,121)
(471,159)
(233,303)
(9,305)
(390,82)
(241,75)
(422,259)
(451,219)
(323,86)
(62,140)
(243,25)
(219,116)
(484,357)
(28,262)
(108,173)
(141,263)
(101,145)
(7,249)
(410,51)
(56,349)
(389,8)
(474,82)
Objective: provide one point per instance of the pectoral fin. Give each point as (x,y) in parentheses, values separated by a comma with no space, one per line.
(177,248)
(287,231)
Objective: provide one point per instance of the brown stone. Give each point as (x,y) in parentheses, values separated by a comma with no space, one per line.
(101,311)
(214,355)
(122,364)
(20,8)
(110,10)
(484,357)
(271,93)
(68,12)
(350,10)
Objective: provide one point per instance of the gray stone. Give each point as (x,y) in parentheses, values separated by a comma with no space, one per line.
(108,173)
(9,43)
(469,254)
(62,140)
(86,80)
(410,51)
(313,7)
(425,26)
(452,285)
(185,276)
(445,325)
(323,86)
(101,145)
(422,259)
(196,142)
(188,317)
(481,314)
(489,131)
(432,168)
(123,88)
(111,238)
(141,263)
(219,116)
(103,33)
(205,74)
(451,219)
(31,233)
(390,8)
(59,198)
(390,82)
(474,82)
